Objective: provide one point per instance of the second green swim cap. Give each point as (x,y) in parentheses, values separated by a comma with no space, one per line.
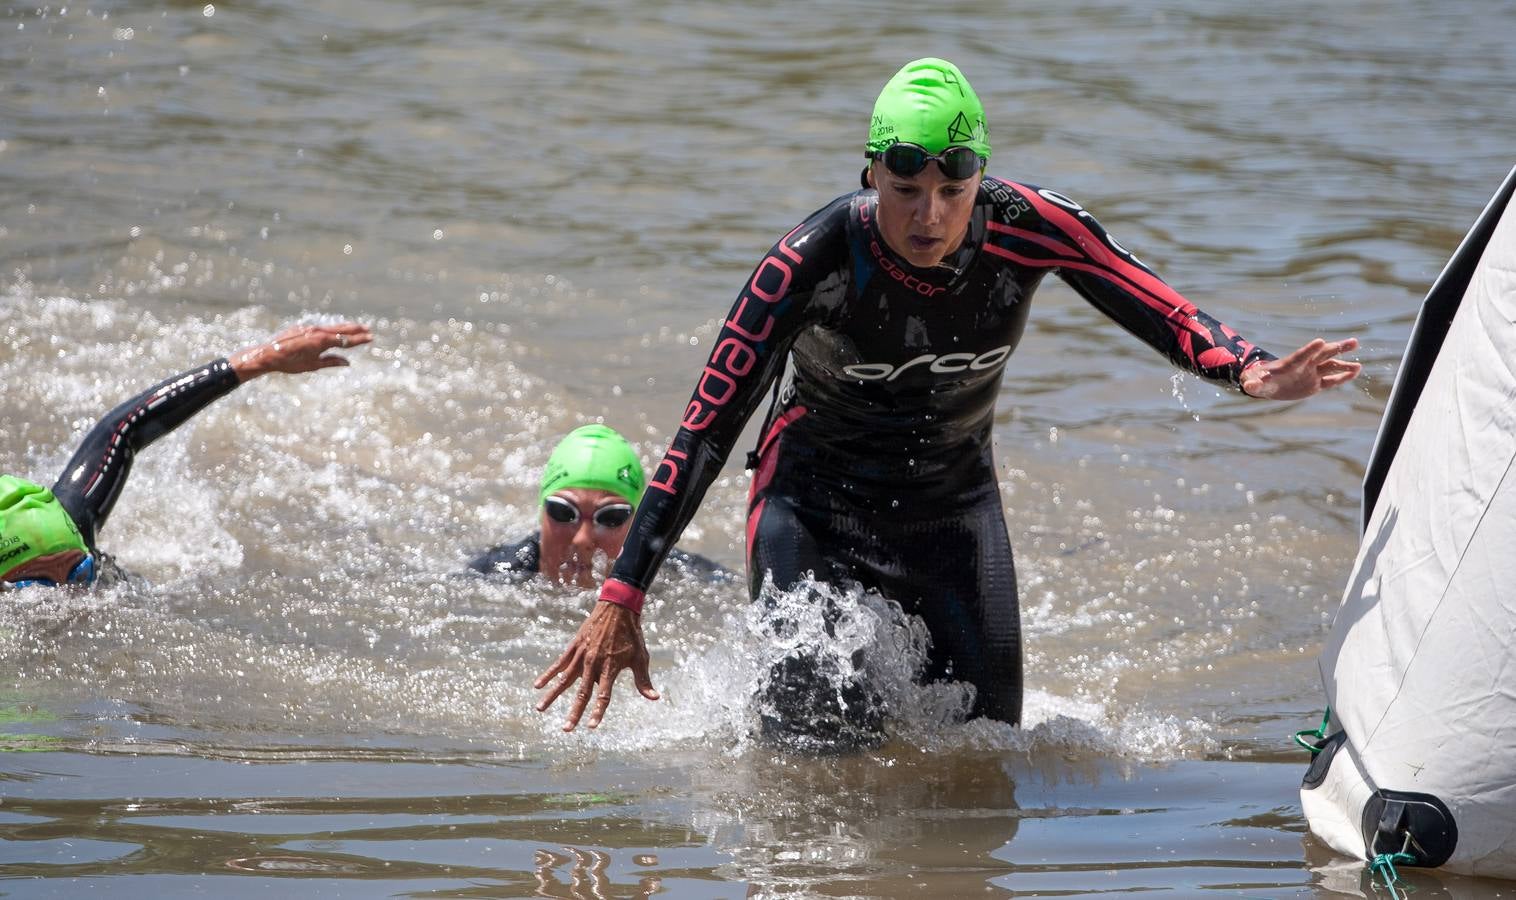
(32,523)
(930,103)
(596,457)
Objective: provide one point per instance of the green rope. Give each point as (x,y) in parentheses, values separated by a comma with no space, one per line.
(1319,734)
(1383,865)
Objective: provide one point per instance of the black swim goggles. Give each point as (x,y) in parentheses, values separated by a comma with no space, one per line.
(907,160)
(608,517)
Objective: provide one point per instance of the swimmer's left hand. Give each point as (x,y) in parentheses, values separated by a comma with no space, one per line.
(609,641)
(1309,370)
(300,348)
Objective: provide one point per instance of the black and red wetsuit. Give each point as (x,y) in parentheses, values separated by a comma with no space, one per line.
(876,464)
(97,471)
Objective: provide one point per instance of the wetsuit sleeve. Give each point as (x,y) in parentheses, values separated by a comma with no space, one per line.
(1046,229)
(515,562)
(93,478)
(750,352)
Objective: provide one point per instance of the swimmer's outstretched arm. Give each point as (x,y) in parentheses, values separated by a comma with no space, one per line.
(1052,231)
(772,310)
(95,475)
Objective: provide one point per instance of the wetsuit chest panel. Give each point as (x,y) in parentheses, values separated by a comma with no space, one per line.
(909,363)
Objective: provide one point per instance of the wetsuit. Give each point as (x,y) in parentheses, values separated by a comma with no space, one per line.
(521,561)
(875,465)
(97,472)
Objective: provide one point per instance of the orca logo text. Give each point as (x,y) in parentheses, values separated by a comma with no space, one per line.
(945,364)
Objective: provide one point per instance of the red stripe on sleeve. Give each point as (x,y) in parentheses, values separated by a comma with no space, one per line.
(622,594)
(1041,240)
(1100,254)
(1216,357)
(1173,314)
(752,527)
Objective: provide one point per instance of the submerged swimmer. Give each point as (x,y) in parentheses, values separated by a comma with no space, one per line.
(591,485)
(47,537)
(897,307)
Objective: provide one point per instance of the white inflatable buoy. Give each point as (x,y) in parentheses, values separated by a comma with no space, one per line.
(1418,758)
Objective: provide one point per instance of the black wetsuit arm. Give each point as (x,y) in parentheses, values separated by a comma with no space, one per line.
(1063,236)
(516,562)
(96,473)
(750,352)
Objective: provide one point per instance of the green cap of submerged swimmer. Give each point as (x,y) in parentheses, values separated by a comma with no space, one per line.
(596,457)
(929,103)
(32,523)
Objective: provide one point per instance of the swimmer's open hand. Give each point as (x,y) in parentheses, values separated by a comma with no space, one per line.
(300,348)
(609,640)
(1309,370)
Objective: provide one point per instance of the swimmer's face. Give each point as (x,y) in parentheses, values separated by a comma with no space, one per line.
(572,551)
(925,217)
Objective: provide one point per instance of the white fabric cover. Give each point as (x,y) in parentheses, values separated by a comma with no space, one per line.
(1420,668)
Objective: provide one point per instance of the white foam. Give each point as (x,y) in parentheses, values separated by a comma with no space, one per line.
(709,693)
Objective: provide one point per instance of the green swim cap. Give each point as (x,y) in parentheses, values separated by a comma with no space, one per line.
(32,523)
(930,103)
(596,457)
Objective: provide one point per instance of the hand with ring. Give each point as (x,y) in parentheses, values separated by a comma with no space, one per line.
(300,348)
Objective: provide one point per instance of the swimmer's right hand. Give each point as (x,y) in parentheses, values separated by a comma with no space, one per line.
(300,348)
(609,640)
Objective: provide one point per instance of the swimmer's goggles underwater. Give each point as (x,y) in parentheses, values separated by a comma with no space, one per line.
(907,160)
(608,517)
(83,575)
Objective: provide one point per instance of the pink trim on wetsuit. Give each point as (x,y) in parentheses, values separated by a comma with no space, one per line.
(1041,240)
(779,425)
(622,594)
(1101,255)
(1177,316)
(754,516)
(1180,319)
(767,462)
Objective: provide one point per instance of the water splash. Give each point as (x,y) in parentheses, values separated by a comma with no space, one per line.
(299,546)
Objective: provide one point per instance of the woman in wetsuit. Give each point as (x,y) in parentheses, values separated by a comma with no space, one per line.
(897,306)
(47,537)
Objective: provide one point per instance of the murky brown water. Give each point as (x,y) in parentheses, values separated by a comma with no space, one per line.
(545,209)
